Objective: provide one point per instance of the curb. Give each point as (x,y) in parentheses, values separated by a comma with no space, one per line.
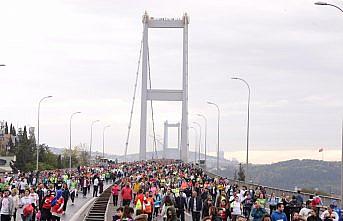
(82,210)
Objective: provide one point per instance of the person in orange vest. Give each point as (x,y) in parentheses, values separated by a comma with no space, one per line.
(184,185)
(148,205)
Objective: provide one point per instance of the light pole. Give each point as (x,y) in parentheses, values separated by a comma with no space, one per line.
(335,6)
(218,132)
(205,119)
(195,144)
(90,143)
(342,169)
(196,123)
(327,4)
(71,117)
(248,126)
(38,127)
(103,140)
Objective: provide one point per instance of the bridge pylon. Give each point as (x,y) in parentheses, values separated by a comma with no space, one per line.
(164,94)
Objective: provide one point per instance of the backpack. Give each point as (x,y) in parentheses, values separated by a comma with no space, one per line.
(28,210)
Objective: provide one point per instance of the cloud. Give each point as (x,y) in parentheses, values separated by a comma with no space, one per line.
(85,54)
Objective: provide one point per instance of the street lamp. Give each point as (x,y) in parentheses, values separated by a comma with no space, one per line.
(90,143)
(327,4)
(195,143)
(205,119)
(342,169)
(248,126)
(38,127)
(218,132)
(71,117)
(103,140)
(196,123)
(335,6)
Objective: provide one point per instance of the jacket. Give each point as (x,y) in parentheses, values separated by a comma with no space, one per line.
(198,204)
(277,216)
(115,190)
(10,205)
(257,213)
(126,193)
(180,203)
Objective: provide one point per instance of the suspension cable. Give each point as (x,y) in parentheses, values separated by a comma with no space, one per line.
(152,110)
(133,100)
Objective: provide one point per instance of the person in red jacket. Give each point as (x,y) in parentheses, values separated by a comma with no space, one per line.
(115,193)
(46,206)
(57,206)
(139,200)
(126,194)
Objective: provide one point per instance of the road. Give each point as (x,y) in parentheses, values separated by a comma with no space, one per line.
(188,217)
(78,204)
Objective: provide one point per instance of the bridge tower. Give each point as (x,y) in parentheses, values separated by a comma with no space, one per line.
(165,138)
(164,94)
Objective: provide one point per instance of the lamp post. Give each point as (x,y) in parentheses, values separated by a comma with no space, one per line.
(327,4)
(103,140)
(248,126)
(195,143)
(90,143)
(340,9)
(196,123)
(205,119)
(218,132)
(71,117)
(342,169)
(47,97)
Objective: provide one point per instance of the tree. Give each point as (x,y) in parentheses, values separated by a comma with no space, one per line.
(11,146)
(59,162)
(6,128)
(241,173)
(25,153)
(48,160)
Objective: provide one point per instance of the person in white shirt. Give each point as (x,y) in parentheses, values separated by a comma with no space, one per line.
(306,211)
(24,201)
(236,208)
(329,214)
(21,186)
(6,206)
(34,197)
(15,198)
(95,186)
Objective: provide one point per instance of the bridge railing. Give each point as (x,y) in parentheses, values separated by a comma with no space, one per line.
(278,191)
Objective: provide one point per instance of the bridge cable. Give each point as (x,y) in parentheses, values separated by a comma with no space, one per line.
(152,110)
(133,100)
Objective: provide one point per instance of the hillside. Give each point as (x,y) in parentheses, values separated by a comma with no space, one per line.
(296,173)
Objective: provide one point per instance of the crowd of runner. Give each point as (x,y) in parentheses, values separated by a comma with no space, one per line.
(171,191)
(45,196)
(153,190)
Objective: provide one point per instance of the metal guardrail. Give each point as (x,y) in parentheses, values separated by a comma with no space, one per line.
(278,191)
(98,210)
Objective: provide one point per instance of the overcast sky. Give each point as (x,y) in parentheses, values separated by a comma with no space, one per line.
(85,53)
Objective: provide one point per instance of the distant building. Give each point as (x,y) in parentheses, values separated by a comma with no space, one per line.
(6,164)
(221,155)
(5,139)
